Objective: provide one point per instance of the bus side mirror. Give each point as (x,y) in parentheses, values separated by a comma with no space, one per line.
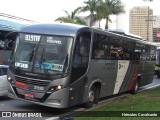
(9,40)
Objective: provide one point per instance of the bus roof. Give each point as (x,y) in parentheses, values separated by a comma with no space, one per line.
(65,29)
(68,29)
(132,38)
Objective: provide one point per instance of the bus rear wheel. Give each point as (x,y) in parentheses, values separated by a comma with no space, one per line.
(135,87)
(92,97)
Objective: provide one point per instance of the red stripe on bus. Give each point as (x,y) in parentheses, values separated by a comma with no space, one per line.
(133,78)
(20,84)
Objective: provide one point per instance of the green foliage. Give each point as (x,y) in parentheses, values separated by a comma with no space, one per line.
(98,9)
(113,7)
(72,17)
(90,6)
(102,9)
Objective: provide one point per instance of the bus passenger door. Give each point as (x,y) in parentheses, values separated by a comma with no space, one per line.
(79,68)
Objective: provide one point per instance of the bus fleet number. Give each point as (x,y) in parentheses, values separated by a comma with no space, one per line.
(38,88)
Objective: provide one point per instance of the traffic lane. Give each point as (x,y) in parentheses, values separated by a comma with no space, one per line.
(11,105)
(8,104)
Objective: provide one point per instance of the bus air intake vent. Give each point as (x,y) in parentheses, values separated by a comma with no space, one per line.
(32,81)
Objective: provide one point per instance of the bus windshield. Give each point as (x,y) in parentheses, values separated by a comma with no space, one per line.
(41,54)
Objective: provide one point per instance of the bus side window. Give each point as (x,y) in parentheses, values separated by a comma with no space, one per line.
(137,52)
(145,53)
(153,53)
(129,50)
(81,55)
(116,48)
(100,47)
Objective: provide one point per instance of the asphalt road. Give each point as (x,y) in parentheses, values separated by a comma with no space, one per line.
(7,104)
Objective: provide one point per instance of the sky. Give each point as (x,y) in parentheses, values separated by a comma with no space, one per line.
(47,11)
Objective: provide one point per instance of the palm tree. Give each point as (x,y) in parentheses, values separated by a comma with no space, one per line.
(72,18)
(113,7)
(90,6)
(99,12)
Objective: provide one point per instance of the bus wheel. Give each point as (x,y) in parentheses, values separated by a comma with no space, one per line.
(135,87)
(91,97)
(158,74)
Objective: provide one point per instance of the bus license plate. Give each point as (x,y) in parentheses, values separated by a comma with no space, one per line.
(29,95)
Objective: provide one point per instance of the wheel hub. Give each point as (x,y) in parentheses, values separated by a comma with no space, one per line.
(91,96)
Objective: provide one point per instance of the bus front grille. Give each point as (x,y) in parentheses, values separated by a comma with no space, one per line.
(32,81)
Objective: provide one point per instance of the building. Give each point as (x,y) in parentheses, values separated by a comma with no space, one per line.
(141,22)
(156,29)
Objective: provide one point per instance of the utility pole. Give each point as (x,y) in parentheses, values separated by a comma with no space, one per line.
(148,20)
(148,24)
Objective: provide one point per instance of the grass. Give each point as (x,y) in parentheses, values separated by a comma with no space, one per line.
(146,101)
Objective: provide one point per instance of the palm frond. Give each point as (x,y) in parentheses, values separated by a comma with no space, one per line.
(67,13)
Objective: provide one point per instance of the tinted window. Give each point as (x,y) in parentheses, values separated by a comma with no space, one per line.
(81,55)
(128,50)
(153,53)
(116,48)
(100,47)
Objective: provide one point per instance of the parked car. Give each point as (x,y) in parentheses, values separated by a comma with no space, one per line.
(3,80)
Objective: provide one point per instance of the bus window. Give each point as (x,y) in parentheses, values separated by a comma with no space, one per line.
(100,47)
(153,53)
(116,48)
(137,51)
(128,50)
(145,55)
(81,55)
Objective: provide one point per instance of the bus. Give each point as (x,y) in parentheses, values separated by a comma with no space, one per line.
(63,65)
(157,67)
(5,54)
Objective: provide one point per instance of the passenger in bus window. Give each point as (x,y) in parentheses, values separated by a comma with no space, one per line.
(117,53)
(120,54)
(99,53)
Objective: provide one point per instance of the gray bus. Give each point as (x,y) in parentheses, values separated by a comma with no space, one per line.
(62,65)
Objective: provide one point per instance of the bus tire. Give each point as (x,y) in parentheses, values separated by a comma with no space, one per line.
(158,74)
(135,87)
(91,98)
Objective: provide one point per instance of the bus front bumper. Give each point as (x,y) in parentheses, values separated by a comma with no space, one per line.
(58,99)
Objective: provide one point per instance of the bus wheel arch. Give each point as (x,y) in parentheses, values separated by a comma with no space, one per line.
(93,95)
(136,85)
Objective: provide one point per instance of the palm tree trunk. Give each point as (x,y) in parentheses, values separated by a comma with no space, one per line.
(90,24)
(106,26)
(99,23)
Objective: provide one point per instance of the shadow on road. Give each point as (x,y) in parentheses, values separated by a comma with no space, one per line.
(4,98)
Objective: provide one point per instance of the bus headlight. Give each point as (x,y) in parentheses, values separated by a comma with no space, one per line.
(59,87)
(11,80)
(55,88)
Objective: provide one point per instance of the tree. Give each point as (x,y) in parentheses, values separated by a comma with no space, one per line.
(72,17)
(99,12)
(90,6)
(102,9)
(113,7)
